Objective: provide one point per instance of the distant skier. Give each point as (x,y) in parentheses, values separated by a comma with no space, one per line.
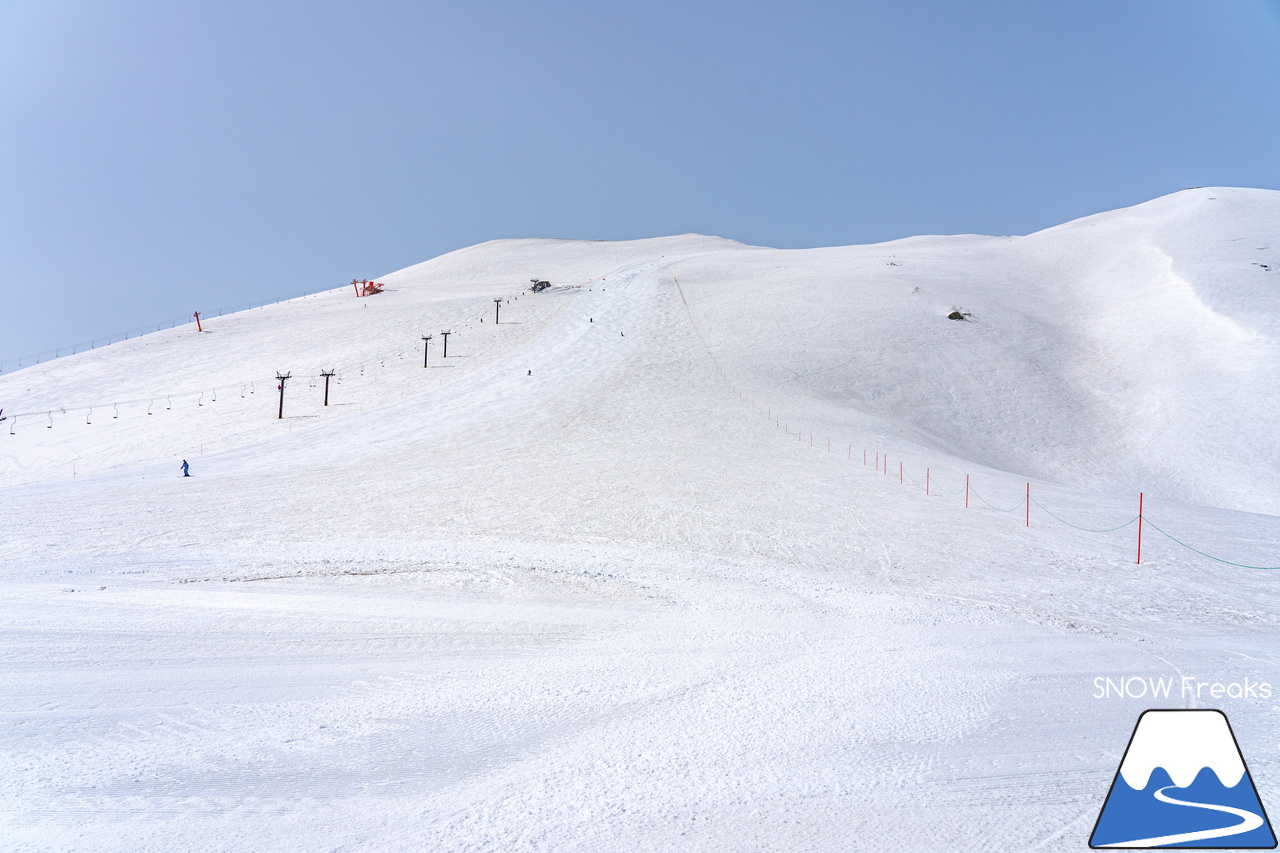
(530,373)
(186,472)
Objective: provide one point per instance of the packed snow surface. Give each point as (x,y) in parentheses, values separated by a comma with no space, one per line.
(614,573)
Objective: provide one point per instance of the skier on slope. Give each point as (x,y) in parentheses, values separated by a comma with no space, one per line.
(185,469)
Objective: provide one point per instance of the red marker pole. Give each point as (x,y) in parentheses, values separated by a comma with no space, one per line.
(199,328)
(877,461)
(966,491)
(926,482)
(1139,528)
(899,473)
(1028,503)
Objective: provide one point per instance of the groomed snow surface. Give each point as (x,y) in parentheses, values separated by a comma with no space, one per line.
(596,582)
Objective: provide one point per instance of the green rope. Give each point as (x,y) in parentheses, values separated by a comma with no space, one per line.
(1210,556)
(996,508)
(945,491)
(1087,529)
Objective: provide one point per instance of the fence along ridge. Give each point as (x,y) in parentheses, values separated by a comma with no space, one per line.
(19,362)
(351,366)
(32,359)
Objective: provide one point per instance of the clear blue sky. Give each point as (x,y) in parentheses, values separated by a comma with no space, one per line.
(159,157)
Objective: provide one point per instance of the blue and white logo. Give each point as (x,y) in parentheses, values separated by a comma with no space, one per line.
(1183,783)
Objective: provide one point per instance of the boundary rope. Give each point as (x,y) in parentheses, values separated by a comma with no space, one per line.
(1150,523)
(1086,529)
(1016,506)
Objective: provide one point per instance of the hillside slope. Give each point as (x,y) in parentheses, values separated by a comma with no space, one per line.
(613,573)
(1133,350)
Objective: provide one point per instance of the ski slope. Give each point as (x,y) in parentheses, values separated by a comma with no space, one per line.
(596,579)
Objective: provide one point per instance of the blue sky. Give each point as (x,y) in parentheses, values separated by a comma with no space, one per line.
(160,157)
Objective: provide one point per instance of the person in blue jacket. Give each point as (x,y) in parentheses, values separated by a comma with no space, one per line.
(185,467)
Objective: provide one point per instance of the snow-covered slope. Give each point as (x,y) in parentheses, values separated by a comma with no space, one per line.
(1133,350)
(1137,349)
(613,573)
(179,392)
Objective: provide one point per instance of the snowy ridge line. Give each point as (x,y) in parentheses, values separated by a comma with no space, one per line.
(32,359)
(1026,501)
(139,331)
(243,383)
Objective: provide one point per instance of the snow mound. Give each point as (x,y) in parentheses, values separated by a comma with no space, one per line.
(1132,350)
